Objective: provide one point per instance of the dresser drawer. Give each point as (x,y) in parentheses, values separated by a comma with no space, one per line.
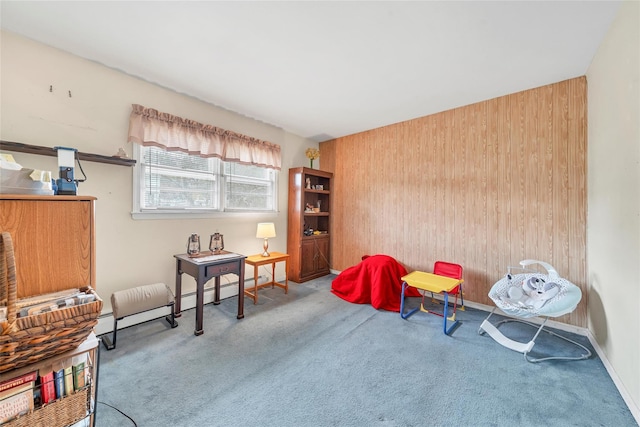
(226,268)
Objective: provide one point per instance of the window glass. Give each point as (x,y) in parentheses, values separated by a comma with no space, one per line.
(178,182)
(248,187)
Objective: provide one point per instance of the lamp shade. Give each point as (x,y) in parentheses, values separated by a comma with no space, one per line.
(266,230)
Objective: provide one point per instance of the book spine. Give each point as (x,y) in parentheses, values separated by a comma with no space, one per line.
(78,376)
(59,383)
(14,382)
(47,388)
(68,381)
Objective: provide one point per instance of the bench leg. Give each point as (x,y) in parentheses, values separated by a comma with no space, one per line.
(107,341)
(172,318)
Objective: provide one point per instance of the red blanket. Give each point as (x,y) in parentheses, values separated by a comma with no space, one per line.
(376,281)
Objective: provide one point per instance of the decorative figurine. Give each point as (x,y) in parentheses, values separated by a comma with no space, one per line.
(121,153)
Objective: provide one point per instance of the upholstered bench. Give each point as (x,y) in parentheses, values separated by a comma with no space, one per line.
(138,300)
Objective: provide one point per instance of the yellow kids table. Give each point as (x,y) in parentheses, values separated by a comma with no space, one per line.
(435,283)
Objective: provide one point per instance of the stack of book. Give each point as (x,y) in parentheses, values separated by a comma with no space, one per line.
(27,392)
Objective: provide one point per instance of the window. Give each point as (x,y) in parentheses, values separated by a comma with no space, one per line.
(173,182)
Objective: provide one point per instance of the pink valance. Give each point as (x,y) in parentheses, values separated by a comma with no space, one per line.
(150,127)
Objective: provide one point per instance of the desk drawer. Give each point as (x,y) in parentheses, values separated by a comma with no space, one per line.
(226,268)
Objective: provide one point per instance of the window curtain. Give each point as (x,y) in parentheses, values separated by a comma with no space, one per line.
(150,127)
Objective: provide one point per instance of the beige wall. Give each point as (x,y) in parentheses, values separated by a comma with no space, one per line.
(614,197)
(95,120)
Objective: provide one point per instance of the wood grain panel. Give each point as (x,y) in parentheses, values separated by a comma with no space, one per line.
(485,186)
(53,241)
(577,185)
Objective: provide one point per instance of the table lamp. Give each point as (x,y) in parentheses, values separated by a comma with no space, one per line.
(266,230)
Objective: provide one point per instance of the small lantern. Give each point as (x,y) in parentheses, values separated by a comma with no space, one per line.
(216,244)
(193,245)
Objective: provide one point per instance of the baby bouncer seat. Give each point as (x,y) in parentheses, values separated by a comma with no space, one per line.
(532,294)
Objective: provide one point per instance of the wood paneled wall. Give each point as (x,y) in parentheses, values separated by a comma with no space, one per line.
(484,186)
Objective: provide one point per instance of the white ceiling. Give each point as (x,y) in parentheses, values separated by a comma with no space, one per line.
(327,69)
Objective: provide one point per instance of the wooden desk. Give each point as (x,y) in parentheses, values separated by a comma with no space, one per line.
(203,269)
(273,258)
(431,283)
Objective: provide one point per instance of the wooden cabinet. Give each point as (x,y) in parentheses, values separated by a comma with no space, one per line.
(54,247)
(309,227)
(53,241)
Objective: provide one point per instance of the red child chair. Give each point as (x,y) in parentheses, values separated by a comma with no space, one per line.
(454,271)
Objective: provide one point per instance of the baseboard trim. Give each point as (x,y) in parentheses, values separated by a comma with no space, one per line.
(633,407)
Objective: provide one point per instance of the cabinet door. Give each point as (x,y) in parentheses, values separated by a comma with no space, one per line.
(322,254)
(308,266)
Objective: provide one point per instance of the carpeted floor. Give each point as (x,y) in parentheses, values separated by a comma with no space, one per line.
(311,359)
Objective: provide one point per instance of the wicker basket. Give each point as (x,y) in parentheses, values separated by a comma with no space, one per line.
(62,412)
(26,340)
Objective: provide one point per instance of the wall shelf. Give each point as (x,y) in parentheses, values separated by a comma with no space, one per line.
(47,151)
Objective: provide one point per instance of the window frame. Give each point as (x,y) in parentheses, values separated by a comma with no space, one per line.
(194,213)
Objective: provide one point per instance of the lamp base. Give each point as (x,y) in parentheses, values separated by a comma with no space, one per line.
(265,246)
(265,253)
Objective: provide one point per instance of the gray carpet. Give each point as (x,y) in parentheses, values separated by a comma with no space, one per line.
(311,359)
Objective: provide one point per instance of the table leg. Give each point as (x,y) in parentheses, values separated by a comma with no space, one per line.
(255,284)
(199,305)
(402,313)
(446,307)
(286,275)
(216,290)
(241,290)
(178,303)
(273,274)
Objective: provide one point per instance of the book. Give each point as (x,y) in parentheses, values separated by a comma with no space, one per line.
(16,390)
(68,380)
(16,401)
(47,388)
(78,376)
(19,380)
(59,383)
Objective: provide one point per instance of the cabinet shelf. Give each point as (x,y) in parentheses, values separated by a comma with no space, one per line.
(315,236)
